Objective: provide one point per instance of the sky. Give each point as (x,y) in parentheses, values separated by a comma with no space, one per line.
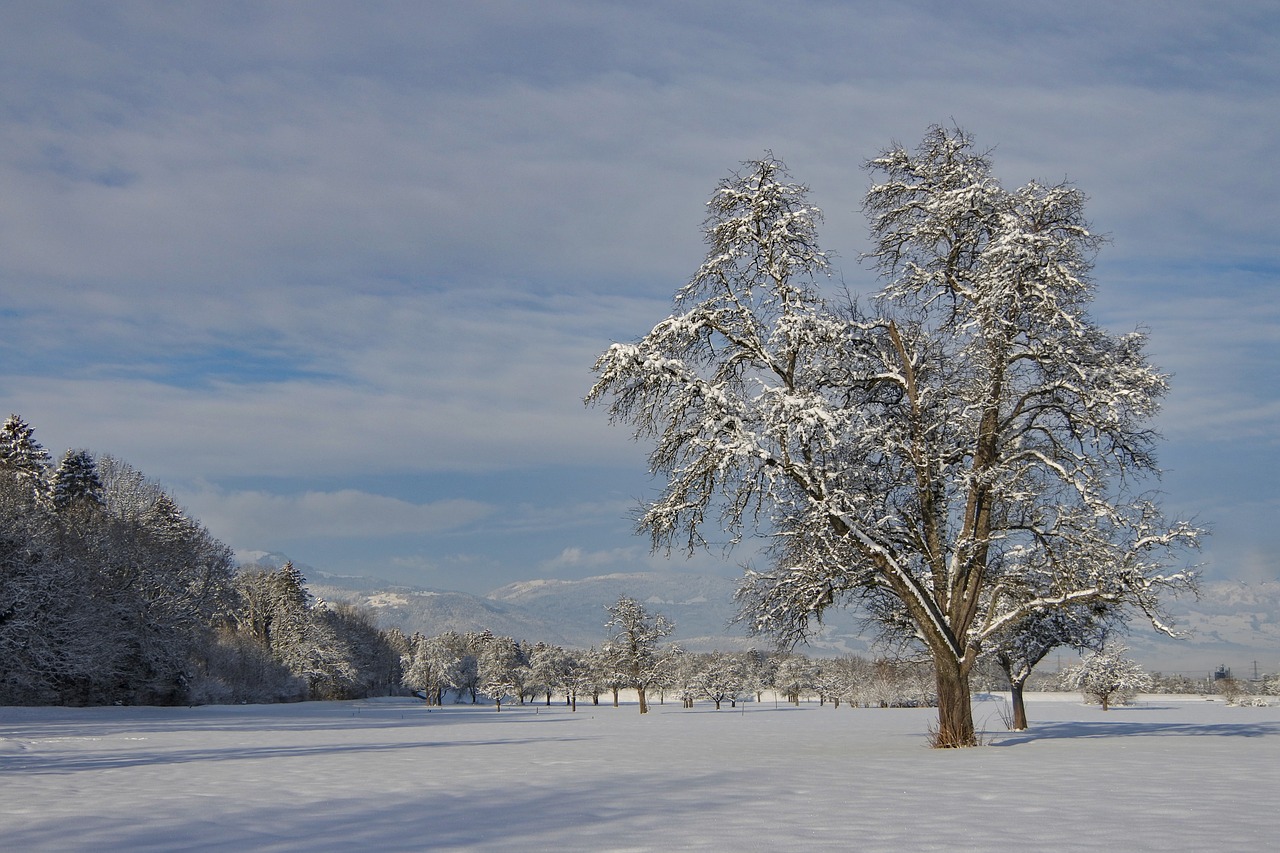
(335,274)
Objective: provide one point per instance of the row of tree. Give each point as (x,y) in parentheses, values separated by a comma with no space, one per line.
(467,667)
(109,593)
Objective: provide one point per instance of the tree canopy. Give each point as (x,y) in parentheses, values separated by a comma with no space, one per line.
(964,453)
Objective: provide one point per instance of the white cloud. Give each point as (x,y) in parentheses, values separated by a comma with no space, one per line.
(577,561)
(246,517)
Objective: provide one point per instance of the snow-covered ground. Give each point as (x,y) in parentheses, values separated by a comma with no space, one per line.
(1170,773)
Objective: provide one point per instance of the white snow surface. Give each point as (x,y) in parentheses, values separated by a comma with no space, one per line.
(1168,773)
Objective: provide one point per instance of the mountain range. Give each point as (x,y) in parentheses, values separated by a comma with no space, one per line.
(1232,624)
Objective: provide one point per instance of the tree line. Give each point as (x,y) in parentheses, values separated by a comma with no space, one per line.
(468,667)
(110,593)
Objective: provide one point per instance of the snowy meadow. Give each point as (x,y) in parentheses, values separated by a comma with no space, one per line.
(1167,773)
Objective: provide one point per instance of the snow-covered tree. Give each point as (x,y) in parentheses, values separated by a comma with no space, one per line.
(502,668)
(587,677)
(1025,643)
(962,457)
(634,645)
(721,677)
(760,671)
(371,662)
(1107,675)
(22,457)
(52,647)
(115,592)
(551,670)
(794,677)
(76,485)
(277,610)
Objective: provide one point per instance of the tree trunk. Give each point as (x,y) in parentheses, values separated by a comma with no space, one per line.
(955,707)
(644,705)
(615,697)
(1019,707)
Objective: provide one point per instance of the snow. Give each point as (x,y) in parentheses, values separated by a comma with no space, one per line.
(1170,773)
(387,599)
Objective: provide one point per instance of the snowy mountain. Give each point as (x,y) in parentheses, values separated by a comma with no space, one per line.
(701,606)
(1232,624)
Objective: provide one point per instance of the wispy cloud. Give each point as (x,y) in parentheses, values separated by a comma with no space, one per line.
(248,516)
(266,247)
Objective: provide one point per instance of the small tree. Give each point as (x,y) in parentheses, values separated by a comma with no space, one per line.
(1025,644)
(794,677)
(502,669)
(1107,676)
(634,644)
(721,677)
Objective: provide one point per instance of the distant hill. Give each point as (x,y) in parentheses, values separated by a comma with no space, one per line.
(1233,624)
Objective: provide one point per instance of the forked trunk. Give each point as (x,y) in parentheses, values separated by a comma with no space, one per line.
(955,708)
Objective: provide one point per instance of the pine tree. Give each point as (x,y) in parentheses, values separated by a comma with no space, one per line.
(23,457)
(76,485)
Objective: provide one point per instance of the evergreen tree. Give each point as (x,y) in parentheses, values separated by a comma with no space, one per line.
(76,485)
(22,457)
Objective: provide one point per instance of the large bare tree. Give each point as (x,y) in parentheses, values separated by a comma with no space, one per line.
(966,454)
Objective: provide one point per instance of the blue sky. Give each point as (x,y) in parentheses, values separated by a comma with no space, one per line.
(335,273)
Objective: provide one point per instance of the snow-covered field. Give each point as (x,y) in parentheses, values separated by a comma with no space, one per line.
(1170,773)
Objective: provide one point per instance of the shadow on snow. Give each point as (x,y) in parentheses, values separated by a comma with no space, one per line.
(1071,730)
